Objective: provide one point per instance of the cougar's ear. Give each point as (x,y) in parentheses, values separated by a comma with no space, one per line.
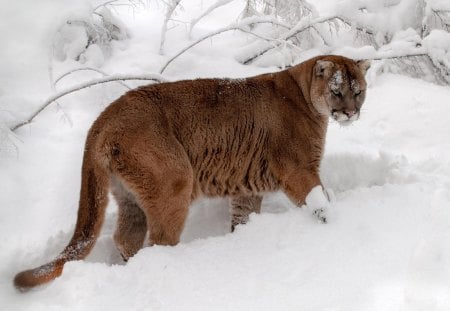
(363,65)
(322,66)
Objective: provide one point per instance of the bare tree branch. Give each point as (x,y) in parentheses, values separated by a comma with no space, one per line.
(53,98)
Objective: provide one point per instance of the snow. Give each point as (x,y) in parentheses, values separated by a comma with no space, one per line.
(438,43)
(317,201)
(316,198)
(389,16)
(336,81)
(385,245)
(443,5)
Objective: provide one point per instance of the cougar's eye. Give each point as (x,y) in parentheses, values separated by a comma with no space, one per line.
(357,92)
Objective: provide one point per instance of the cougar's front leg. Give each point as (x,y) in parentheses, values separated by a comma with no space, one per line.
(305,187)
(242,207)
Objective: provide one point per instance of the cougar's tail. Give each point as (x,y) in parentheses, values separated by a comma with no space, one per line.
(91,211)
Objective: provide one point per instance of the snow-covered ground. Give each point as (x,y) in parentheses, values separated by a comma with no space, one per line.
(386,246)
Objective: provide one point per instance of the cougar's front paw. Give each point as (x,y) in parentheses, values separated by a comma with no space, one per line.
(321,215)
(318,201)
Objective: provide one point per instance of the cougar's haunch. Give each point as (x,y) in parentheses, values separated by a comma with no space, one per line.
(159,147)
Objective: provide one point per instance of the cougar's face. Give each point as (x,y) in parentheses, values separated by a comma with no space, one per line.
(343,89)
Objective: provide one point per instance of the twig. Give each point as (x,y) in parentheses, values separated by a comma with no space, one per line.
(51,99)
(235,26)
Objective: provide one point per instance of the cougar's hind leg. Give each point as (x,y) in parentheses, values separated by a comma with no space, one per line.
(242,207)
(131,221)
(167,211)
(160,177)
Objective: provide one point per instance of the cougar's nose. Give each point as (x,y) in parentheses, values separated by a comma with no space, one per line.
(350,113)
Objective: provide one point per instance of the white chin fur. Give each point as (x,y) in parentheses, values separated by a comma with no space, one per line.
(343,119)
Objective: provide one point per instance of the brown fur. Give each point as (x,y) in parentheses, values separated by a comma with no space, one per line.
(161,146)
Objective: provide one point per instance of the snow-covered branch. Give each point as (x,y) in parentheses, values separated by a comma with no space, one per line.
(393,55)
(301,26)
(133,4)
(170,10)
(286,10)
(214,6)
(53,98)
(87,37)
(435,19)
(444,19)
(234,26)
(104,4)
(104,74)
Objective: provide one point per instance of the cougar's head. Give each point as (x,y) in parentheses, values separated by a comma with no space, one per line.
(338,87)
